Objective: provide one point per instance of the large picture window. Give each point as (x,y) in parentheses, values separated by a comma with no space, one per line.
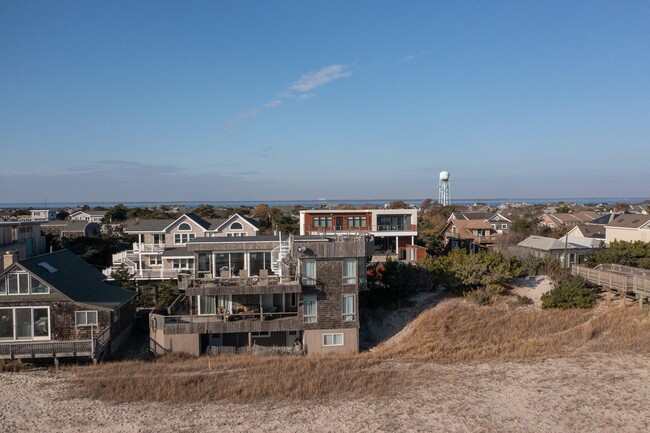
(356,222)
(25,323)
(309,309)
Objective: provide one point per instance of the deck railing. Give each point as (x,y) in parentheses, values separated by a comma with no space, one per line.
(46,349)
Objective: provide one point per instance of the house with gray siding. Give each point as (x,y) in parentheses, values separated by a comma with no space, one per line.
(56,305)
(262,291)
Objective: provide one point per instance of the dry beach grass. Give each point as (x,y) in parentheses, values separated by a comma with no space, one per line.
(457,367)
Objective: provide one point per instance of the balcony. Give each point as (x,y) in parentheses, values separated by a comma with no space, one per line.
(46,349)
(396,228)
(238,285)
(227,323)
(150,274)
(148,248)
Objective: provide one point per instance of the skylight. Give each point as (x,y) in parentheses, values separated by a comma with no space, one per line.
(49,268)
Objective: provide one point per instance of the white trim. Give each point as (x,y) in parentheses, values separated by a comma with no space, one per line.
(235,216)
(315,315)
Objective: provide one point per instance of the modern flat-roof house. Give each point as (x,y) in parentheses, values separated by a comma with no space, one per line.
(56,305)
(94,216)
(22,237)
(160,251)
(261,291)
(628,227)
(392,229)
(43,214)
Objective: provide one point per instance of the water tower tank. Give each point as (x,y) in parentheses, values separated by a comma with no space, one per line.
(444,176)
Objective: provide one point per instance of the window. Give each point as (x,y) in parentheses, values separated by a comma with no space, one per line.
(22,283)
(309,272)
(207,304)
(349,271)
(309,309)
(332,339)
(259,260)
(504,226)
(85,318)
(25,323)
(182,263)
(155,260)
(235,234)
(356,221)
(261,334)
(347,304)
(236,226)
(322,222)
(158,239)
(292,299)
(185,227)
(182,238)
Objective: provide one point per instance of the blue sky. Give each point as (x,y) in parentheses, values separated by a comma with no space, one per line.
(287,100)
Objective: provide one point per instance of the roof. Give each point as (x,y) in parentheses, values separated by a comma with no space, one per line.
(631,221)
(177,252)
(69,226)
(583,242)
(96,213)
(76,279)
(550,244)
(146,225)
(591,230)
(474,215)
(153,225)
(464,227)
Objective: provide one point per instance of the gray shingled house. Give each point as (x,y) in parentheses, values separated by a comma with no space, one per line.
(56,305)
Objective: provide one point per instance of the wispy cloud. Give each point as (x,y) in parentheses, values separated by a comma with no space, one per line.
(407,58)
(302,89)
(315,79)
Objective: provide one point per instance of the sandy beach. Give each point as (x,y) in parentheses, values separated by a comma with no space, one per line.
(594,393)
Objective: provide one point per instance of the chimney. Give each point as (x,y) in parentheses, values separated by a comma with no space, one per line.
(9,258)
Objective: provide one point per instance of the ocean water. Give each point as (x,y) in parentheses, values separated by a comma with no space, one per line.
(313,203)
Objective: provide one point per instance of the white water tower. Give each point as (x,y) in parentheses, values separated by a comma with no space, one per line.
(444,196)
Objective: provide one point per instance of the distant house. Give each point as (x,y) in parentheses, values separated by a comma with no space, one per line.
(43,214)
(22,237)
(160,251)
(56,305)
(628,227)
(71,229)
(567,219)
(95,216)
(588,231)
(498,220)
(572,251)
(471,235)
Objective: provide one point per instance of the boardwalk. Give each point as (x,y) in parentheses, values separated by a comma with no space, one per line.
(626,281)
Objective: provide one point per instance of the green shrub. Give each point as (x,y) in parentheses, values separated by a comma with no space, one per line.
(569,292)
(479,296)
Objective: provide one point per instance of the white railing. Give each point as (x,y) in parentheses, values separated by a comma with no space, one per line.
(277,255)
(148,248)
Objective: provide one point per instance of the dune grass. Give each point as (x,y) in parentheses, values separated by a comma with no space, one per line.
(452,332)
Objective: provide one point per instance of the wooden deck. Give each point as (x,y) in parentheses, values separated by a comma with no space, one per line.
(95,348)
(625,281)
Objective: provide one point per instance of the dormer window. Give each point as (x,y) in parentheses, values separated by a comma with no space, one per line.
(184,227)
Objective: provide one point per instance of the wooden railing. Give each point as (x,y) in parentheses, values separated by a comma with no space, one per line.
(156,348)
(46,349)
(224,323)
(619,281)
